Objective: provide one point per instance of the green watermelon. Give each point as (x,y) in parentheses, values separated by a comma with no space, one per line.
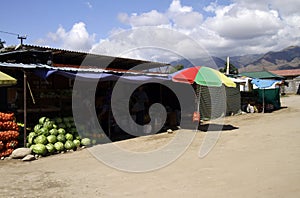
(37,127)
(42,120)
(39,149)
(52,139)
(61,131)
(61,138)
(69,145)
(53,132)
(59,146)
(69,136)
(41,139)
(50,148)
(86,142)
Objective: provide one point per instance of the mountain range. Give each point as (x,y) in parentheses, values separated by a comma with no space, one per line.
(288,58)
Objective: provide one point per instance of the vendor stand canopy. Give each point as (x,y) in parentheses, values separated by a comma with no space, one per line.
(45,61)
(268,92)
(6,80)
(213,88)
(204,76)
(262,75)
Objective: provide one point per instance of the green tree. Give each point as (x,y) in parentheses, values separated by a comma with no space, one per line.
(232,69)
(177,68)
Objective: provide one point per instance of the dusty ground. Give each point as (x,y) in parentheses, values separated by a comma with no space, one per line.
(259,159)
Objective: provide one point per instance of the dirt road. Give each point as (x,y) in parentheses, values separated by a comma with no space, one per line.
(259,159)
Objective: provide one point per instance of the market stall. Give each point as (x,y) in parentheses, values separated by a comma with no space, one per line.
(210,86)
(268,92)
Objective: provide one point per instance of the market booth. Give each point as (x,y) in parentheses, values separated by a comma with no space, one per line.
(46,78)
(268,93)
(9,134)
(216,94)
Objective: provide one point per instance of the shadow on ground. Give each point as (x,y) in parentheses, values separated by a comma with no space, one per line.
(216,127)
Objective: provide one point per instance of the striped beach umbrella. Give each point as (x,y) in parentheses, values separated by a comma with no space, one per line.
(202,75)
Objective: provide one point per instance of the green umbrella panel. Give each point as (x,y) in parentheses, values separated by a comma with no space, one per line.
(207,77)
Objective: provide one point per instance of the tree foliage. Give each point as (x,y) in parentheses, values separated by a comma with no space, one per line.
(177,68)
(232,69)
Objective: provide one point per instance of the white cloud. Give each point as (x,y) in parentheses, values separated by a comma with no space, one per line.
(40,41)
(245,27)
(187,20)
(176,7)
(286,7)
(234,29)
(240,27)
(152,18)
(183,17)
(151,43)
(242,23)
(77,38)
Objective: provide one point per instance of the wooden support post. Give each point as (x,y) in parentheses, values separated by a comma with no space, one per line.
(25,107)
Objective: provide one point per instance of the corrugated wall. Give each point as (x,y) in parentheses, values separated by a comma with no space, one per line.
(233,100)
(219,101)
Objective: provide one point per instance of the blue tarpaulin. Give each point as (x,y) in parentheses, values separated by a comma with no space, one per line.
(262,84)
(267,93)
(45,73)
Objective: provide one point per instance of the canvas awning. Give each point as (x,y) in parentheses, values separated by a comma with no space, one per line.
(202,75)
(265,84)
(262,75)
(130,78)
(6,80)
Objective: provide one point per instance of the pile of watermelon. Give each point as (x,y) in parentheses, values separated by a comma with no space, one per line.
(9,134)
(56,135)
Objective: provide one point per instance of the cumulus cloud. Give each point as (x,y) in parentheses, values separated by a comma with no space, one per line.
(151,43)
(235,29)
(155,31)
(242,23)
(177,7)
(287,7)
(152,18)
(240,27)
(254,28)
(183,16)
(77,38)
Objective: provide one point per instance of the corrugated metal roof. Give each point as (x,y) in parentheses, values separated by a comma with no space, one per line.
(53,49)
(19,65)
(261,75)
(68,57)
(78,69)
(286,73)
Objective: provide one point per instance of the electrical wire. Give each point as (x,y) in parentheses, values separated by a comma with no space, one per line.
(9,33)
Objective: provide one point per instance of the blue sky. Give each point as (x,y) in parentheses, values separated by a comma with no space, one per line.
(224,27)
(40,17)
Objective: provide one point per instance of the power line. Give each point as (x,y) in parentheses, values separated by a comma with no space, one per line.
(19,37)
(9,33)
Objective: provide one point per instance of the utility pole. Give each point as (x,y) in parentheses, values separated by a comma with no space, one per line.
(22,38)
(227,67)
(19,37)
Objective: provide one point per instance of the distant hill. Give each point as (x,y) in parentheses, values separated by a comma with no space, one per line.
(242,61)
(208,61)
(288,58)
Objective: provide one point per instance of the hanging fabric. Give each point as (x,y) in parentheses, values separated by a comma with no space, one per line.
(196,114)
